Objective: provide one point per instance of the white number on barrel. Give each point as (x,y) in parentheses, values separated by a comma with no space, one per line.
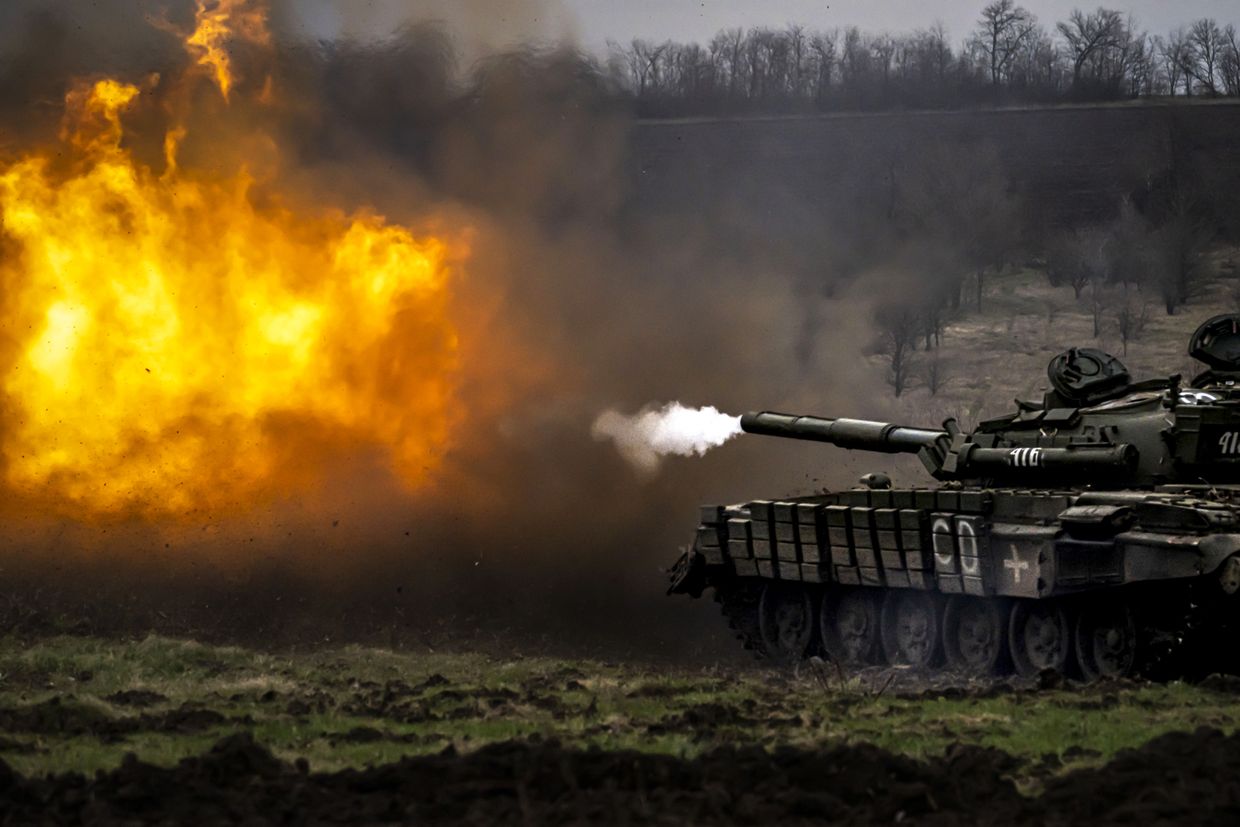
(1229,443)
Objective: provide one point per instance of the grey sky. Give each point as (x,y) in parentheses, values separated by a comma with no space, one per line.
(599,20)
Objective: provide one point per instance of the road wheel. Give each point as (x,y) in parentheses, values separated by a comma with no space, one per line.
(1106,641)
(786,618)
(975,635)
(850,625)
(910,628)
(1040,636)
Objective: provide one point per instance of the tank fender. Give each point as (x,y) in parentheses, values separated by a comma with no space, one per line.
(1157,556)
(688,574)
(1216,549)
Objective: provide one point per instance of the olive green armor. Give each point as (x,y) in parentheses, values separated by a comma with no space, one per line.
(1095,532)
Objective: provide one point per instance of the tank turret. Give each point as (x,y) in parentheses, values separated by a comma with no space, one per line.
(950,455)
(1095,531)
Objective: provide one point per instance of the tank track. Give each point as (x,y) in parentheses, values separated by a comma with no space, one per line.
(1201,642)
(1184,639)
(1168,641)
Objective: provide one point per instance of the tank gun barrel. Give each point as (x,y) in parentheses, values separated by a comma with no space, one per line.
(949,454)
(1084,459)
(846,433)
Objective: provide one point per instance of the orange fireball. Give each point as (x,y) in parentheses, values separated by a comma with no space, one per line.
(173,343)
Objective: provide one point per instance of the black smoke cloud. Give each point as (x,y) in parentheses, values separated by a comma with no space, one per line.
(613,286)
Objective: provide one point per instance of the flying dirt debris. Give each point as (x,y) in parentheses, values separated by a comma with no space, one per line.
(1095,532)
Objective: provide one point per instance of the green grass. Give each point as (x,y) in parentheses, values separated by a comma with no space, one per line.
(353,706)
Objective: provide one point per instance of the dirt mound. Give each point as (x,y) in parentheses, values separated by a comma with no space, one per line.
(68,716)
(1172,775)
(135,697)
(521,782)
(1171,778)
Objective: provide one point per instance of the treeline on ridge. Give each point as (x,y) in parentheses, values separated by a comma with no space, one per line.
(1010,58)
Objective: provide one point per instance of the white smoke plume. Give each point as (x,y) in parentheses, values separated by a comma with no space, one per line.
(653,433)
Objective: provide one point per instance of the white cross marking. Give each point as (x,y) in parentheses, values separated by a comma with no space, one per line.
(1016,564)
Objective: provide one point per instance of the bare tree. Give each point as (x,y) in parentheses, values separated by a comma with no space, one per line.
(923,62)
(823,46)
(1206,45)
(1229,62)
(1132,314)
(855,65)
(897,326)
(642,60)
(1175,54)
(931,318)
(1002,29)
(934,373)
(1095,55)
(757,63)
(1091,38)
(1076,258)
(1139,73)
(799,76)
(1037,66)
(939,49)
(726,52)
(1128,253)
(1178,250)
(1099,301)
(883,49)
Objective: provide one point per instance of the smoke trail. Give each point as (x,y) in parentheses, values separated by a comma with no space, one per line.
(651,434)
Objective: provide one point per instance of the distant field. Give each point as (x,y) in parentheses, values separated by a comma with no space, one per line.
(1001,353)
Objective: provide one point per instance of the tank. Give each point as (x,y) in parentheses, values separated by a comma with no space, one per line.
(1095,532)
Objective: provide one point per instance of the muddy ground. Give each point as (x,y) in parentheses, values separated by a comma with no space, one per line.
(158,730)
(1177,777)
